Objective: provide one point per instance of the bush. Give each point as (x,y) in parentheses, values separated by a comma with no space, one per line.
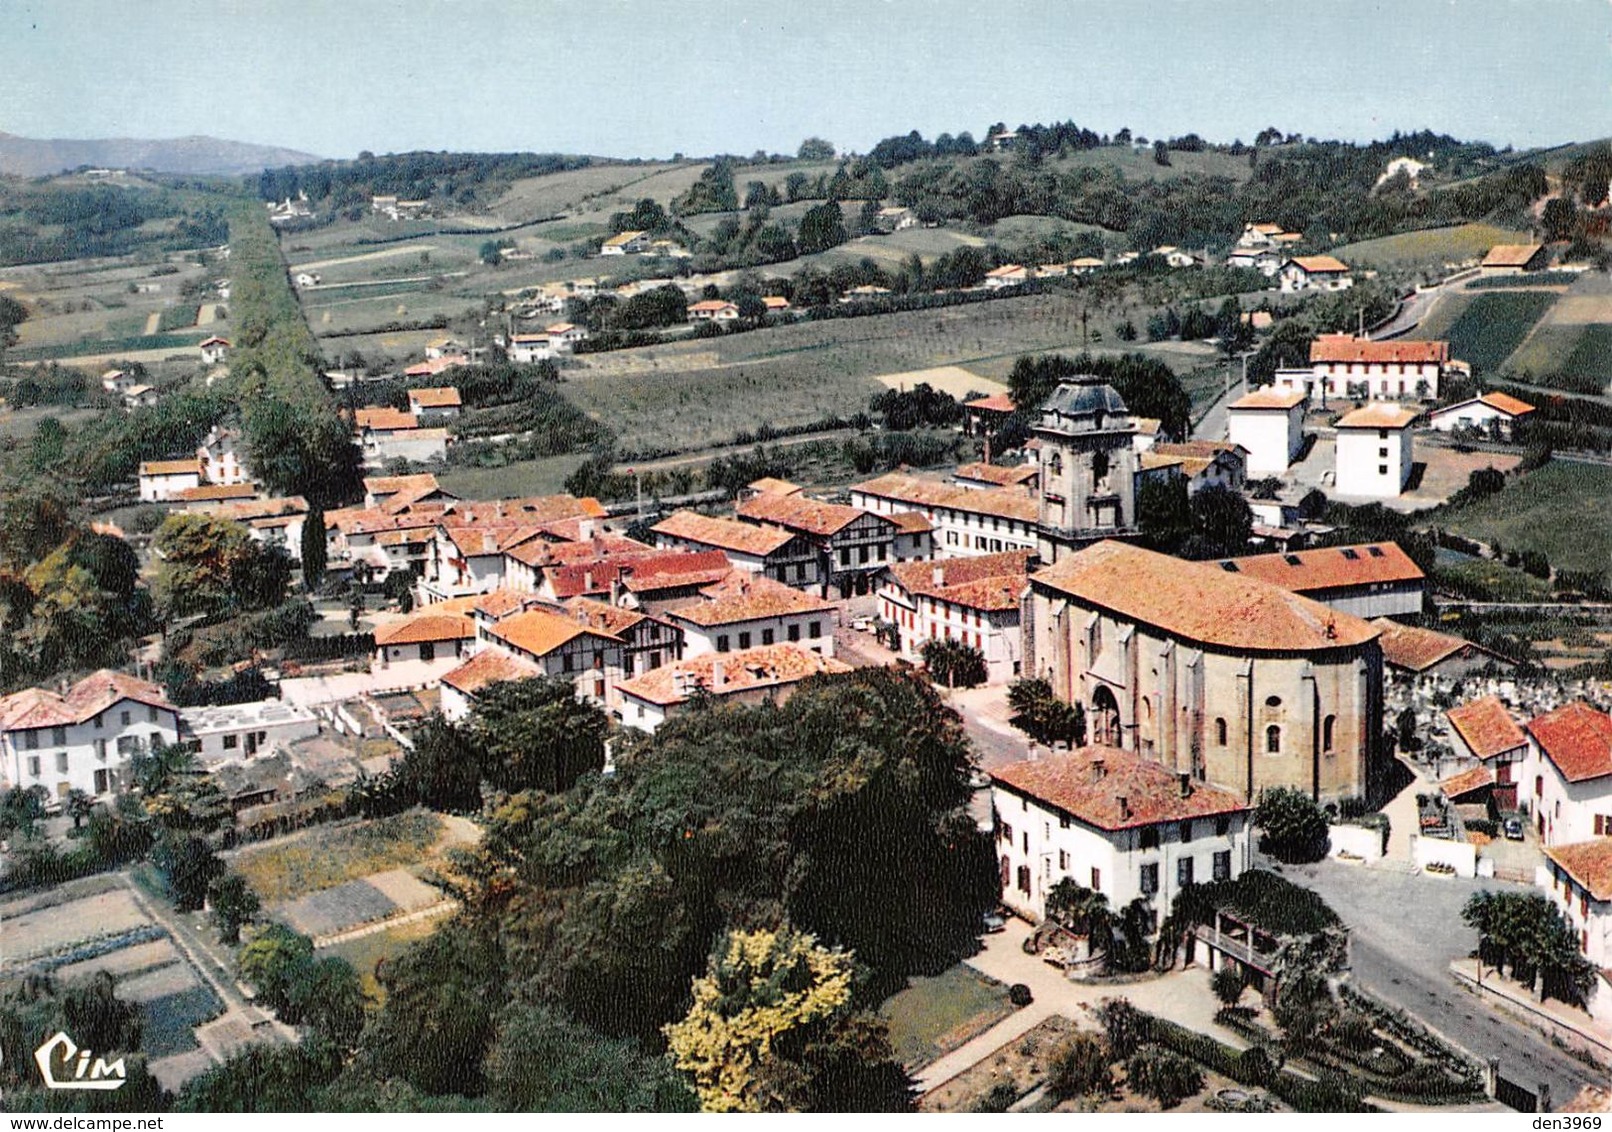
(1295,829)
(1001,1097)
(1163,1076)
(1080,1067)
(1228,983)
(1255,1066)
(1019,995)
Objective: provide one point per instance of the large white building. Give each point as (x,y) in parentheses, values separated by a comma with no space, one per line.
(1567,774)
(743,611)
(1374,451)
(1269,424)
(1342,365)
(1579,879)
(1115,822)
(82,739)
(233,732)
(973,600)
(966,521)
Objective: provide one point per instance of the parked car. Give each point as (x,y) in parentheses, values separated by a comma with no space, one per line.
(993,922)
(1512,828)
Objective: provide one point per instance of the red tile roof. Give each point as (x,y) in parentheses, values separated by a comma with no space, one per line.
(742,597)
(1467,782)
(385,420)
(1577,739)
(489,666)
(1486,727)
(798,513)
(1348,348)
(674,569)
(725,534)
(214,491)
(191,466)
(1269,398)
(996,474)
(771,485)
(1506,403)
(771,666)
(1511,255)
(1378,414)
(1200,602)
(1003,503)
(1321,264)
(40,707)
(1416,649)
(910,522)
(429,625)
(987,582)
(391,485)
(444,398)
(1332,567)
(540,632)
(995,403)
(1589,863)
(1113,789)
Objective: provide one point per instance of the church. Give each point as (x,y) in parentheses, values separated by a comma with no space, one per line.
(1088,468)
(1231,680)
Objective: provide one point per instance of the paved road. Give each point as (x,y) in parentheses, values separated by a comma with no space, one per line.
(1404,931)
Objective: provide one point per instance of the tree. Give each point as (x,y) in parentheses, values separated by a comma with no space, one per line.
(538,734)
(822,227)
(491,254)
(1222,523)
(1043,716)
(1164,514)
(542,1061)
(325,995)
(766,999)
(1161,153)
(234,904)
(78,806)
(1083,912)
(815,149)
(1080,1067)
(313,550)
(210,565)
(1228,984)
(1528,933)
(98,1020)
(443,768)
(188,866)
(954,663)
(270,963)
(1166,1077)
(1294,827)
(1558,218)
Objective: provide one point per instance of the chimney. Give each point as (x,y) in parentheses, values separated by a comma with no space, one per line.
(615,587)
(1098,769)
(587,581)
(937,575)
(1124,806)
(718,676)
(1186,784)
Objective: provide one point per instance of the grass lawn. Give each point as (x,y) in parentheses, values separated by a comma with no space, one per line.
(1432,247)
(366,951)
(937,1014)
(1494,324)
(526,477)
(335,855)
(1559,509)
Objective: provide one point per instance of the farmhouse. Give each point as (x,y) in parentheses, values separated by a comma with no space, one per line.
(1269,425)
(394,434)
(525,349)
(1374,451)
(1115,822)
(564,336)
(214,350)
(82,738)
(771,552)
(117,381)
(1263,260)
(972,600)
(1492,414)
(1262,235)
(1483,730)
(1514,259)
(749,677)
(1370,580)
(139,396)
(775,304)
(713,310)
(743,611)
(1568,774)
(625,243)
(431,406)
(1219,676)
(852,545)
(1008,275)
(1314,272)
(895,219)
(163,480)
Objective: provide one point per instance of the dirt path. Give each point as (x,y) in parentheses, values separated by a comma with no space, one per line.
(206,314)
(153,321)
(388,253)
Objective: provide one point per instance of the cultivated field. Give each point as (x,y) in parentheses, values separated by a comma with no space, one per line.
(1430,248)
(1559,509)
(324,858)
(525,477)
(1492,325)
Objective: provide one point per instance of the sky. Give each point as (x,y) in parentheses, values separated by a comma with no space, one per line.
(649,78)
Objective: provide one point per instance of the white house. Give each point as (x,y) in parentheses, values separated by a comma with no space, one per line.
(214,350)
(564,336)
(713,310)
(393,434)
(559,645)
(966,521)
(1342,365)
(1374,451)
(232,732)
(81,739)
(432,406)
(525,349)
(1269,423)
(1115,822)
(307,279)
(1008,275)
(895,219)
(973,600)
(625,243)
(768,672)
(757,549)
(1256,236)
(162,480)
(429,634)
(1567,775)
(1318,272)
(1490,413)
(222,458)
(744,611)
(1579,880)
(139,396)
(117,381)
(1264,261)
(1482,729)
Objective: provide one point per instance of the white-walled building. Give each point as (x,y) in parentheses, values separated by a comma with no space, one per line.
(1567,774)
(763,550)
(966,522)
(1483,730)
(765,673)
(1115,822)
(524,349)
(744,611)
(433,406)
(84,737)
(461,688)
(222,457)
(161,481)
(1490,413)
(1314,272)
(1269,424)
(1374,451)
(428,635)
(1368,580)
(973,600)
(232,732)
(1579,879)
(1401,369)
(214,350)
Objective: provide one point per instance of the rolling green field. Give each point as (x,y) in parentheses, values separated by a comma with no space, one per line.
(524,477)
(1559,509)
(1494,324)
(1591,359)
(1433,247)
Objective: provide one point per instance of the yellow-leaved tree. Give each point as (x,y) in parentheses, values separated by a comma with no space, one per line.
(766,996)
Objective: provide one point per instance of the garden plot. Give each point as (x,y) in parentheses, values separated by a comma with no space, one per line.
(124,962)
(36,934)
(953,380)
(337,909)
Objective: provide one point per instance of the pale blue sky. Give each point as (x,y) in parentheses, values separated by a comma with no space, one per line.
(651,77)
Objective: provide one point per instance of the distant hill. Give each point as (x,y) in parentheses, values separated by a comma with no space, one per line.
(39,157)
